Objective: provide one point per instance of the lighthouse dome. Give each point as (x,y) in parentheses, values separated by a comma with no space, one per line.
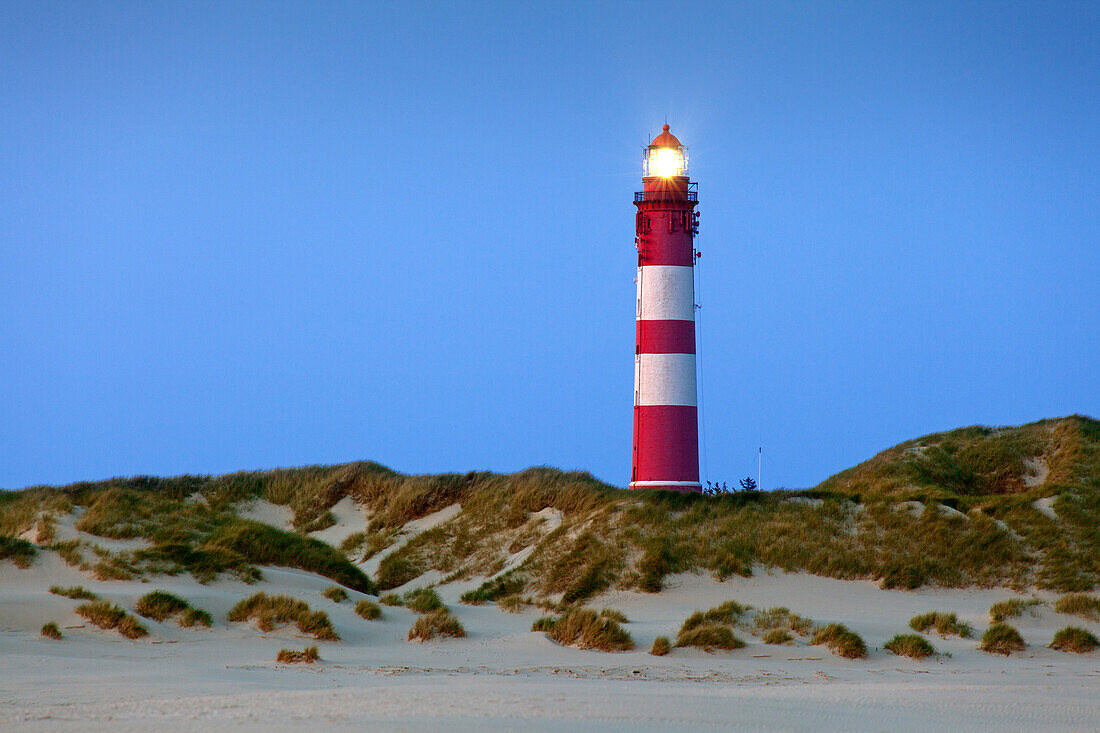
(665,140)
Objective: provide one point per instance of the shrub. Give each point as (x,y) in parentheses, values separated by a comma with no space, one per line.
(708,636)
(51,631)
(661,646)
(781,618)
(423,600)
(439,622)
(159,605)
(368,610)
(841,641)
(18,551)
(391,599)
(309,655)
(1079,604)
(494,589)
(913,646)
(777,636)
(944,623)
(614,615)
(270,610)
(1070,639)
(583,628)
(1001,610)
(195,617)
(76,592)
(107,616)
(1001,639)
(335,593)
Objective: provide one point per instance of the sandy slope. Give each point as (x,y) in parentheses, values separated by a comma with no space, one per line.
(375,680)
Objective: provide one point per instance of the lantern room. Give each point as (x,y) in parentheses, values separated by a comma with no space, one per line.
(665,157)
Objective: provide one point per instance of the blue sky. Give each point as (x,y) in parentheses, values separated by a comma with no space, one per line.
(246,235)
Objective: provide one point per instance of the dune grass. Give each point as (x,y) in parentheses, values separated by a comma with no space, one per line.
(780,618)
(423,600)
(492,590)
(777,636)
(661,646)
(728,613)
(391,599)
(1000,638)
(514,603)
(840,640)
(913,646)
(945,624)
(437,623)
(195,617)
(1074,639)
(309,655)
(1079,604)
(51,630)
(76,592)
(1012,608)
(159,605)
(583,628)
(107,616)
(708,637)
(20,552)
(614,615)
(368,609)
(280,609)
(335,593)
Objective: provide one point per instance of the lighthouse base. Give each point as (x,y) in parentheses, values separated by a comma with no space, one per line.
(685,486)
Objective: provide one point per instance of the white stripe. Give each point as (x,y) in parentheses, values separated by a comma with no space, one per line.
(645,484)
(666,292)
(664,379)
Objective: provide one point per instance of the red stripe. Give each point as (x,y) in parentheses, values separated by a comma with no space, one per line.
(664,248)
(666,337)
(666,443)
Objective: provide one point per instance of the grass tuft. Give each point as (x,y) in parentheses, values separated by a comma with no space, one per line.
(945,624)
(1011,608)
(661,646)
(423,600)
(20,552)
(1079,604)
(309,655)
(913,646)
(270,610)
(726,613)
(492,590)
(440,622)
(708,637)
(51,631)
(781,618)
(159,605)
(391,599)
(614,615)
(368,610)
(335,593)
(777,636)
(76,592)
(841,641)
(107,616)
(195,617)
(1073,639)
(1001,639)
(583,628)
(544,623)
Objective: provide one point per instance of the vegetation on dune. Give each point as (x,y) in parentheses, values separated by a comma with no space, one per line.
(776,636)
(840,640)
(440,622)
(583,628)
(20,552)
(195,617)
(661,646)
(727,612)
(309,655)
(710,629)
(1001,638)
(391,599)
(1079,604)
(422,600)
(279,609)
(335,593)
(107,616)
(780,618)
(368,610)
(159,605)
(1074,639)
(1012,608)
(945,624)
(76,592)
(615,615)
(51,630)
(978,525)
(913,646)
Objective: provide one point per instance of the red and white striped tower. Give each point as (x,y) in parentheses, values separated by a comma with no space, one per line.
(666,422)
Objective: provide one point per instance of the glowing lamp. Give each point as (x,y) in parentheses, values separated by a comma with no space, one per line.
(665,157)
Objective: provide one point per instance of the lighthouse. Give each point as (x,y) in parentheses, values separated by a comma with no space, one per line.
(666,421)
